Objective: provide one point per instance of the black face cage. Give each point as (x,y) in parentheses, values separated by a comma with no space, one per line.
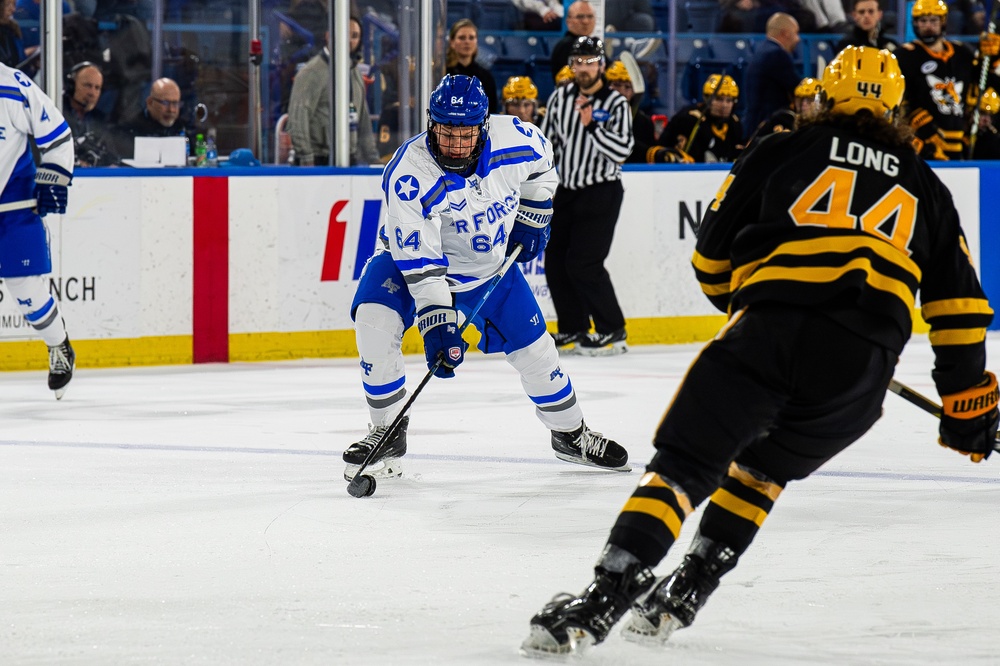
(456,164)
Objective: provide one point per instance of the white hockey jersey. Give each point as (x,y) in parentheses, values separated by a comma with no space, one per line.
(25,110)
(449,234)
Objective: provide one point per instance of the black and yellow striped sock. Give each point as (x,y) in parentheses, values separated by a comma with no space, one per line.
(651,519)
(738,508)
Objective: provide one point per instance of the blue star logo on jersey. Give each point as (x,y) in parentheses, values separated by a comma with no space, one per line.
(407,188)
(521,128)
(22,79)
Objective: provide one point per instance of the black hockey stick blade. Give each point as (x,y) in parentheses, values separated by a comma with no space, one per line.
(924,403)
(363,485)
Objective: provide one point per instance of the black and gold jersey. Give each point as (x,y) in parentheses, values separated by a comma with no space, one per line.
(936,87)
(824,218)
(717,139)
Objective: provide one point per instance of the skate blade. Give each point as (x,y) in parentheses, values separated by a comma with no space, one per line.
(569,350)
(60,392)
(541,644)
(642,631)
(614,349)
(590,463)
(389,468)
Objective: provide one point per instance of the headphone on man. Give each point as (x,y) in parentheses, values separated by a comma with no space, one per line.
(71,76)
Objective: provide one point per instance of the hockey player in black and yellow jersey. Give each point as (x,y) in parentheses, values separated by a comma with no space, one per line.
(805,102)
(708,131)
(816,245)
(939,74)
(987,145)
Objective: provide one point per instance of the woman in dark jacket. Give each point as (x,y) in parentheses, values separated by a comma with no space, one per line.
(463,47)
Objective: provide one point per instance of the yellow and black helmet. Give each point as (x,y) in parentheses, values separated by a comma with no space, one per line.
(863,77)
(520,87)
(990,103)
(808,87)
(563,75)
(727,88)
(929,8)
(617,72)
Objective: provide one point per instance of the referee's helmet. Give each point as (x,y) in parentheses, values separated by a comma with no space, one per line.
(864,78)
(458,101)
(587,47)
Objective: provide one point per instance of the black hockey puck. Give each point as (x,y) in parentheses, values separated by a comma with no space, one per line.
(362,485)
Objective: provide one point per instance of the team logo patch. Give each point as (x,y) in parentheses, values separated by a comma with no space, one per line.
(407,188)
(455,353)
(928,67)
(601,115)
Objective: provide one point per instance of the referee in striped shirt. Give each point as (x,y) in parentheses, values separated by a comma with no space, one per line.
(590,127)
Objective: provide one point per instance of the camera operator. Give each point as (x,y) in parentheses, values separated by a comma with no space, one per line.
(89,126)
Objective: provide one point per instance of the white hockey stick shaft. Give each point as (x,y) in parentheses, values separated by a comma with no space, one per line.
(17,205)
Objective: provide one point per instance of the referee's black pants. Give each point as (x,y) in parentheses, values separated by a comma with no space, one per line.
(780,391)
(583,225)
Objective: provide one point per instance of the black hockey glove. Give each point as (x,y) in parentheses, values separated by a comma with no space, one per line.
(438,324)
(531,229)
(51,193)
(969,419)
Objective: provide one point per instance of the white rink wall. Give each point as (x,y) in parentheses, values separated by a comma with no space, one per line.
(139,283)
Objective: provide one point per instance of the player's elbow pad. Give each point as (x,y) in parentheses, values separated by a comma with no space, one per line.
(534,213)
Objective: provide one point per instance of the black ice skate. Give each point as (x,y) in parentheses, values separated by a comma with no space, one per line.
(386,464)
(569,625)
(568,343)
(62,360)
(676,599)
(586,447)
(604,344)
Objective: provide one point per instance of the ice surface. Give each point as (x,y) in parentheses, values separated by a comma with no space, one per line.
(197,515)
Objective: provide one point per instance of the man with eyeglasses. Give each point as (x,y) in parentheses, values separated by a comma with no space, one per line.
(159,118)
(580,22)
(867,30)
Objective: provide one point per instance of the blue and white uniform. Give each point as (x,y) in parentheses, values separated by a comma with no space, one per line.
(444,238)
(25,110)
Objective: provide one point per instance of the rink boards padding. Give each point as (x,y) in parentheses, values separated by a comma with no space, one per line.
(195,265)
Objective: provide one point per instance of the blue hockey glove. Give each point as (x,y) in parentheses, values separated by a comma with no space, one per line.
(531,229)
(969,419)
(438,324)
(51,193)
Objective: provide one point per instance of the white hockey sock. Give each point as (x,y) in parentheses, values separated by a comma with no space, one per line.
(379,334)
(38,306)
(547,385)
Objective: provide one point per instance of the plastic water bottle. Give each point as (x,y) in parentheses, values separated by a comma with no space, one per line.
(211,152)
(200,150)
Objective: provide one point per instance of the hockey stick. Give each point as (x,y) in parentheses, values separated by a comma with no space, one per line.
(635,74)
(18,205)
(363,485)
(924,403)
(984,71)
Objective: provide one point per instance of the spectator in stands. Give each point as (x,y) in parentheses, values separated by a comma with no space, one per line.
(309,110)
(26,11)
(539,15)
(794,8)
(91,133)
(867,29)
(580,22)
(966,17)
(463,49)
(771,76)
(11,44)
(159,118)
(629,16)
(520,98)
(300,37)
(829,14)
(738,15)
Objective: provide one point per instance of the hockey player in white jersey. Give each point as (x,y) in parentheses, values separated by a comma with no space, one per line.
(460,196)
(29,193)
